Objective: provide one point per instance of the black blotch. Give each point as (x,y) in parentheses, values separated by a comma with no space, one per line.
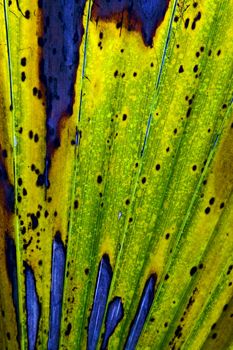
(99,179)
(225,307)
(197,18)
(26,244)
(186,23)
(23,76)
(178,331)
(27,14)
(143,180)
(188,112)
(207,210)
(23,61)
(213,326)
(193,270)
(34,221)
(30,134)
(181,69)
(24,192)
(212,200)
(40,180)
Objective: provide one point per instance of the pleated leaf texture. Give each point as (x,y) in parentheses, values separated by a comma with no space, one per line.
(116,174)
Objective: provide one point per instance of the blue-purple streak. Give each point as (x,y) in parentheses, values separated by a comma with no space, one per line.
(63,31)
(32,306)
(58,268)
(8,189)
(115,314)
(100,300)
(11,265)
(141,314)
(148,13)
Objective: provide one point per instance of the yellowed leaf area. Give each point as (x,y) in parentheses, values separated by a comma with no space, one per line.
(157,126)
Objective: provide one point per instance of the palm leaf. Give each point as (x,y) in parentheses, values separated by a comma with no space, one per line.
(116,175)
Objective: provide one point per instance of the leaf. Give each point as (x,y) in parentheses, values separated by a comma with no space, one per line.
(116,139)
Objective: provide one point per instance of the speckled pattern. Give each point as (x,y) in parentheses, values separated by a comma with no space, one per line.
(116,175)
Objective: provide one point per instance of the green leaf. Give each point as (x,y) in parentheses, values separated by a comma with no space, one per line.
(143,174)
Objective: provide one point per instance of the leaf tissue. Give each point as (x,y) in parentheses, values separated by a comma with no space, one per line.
(116,175)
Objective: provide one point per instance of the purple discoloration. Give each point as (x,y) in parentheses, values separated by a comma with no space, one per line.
(142,312)
(114,315)
(58,268)
(32,306)
(63,31)
(139,15)
(8,188)
(100,300)
(11,266)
